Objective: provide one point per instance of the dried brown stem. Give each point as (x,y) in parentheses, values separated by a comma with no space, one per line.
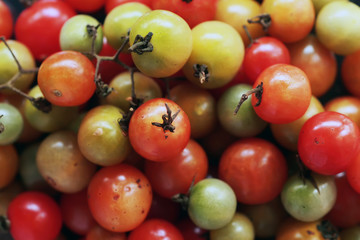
(258,94)
(263,19)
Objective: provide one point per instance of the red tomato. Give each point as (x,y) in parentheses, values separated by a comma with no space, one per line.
(286,94)
(87,6)
(176,175)
(264,52)
(66,78)
(111,4)
(6,21)
(328,143)
(119,197)
(248,166)
(190,231)
(352,174)
(34,216)
(154,142)
(156,229)
(193,12)
(39,26)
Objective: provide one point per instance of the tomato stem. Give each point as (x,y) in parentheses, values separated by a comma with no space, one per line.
(201,71)
(167,118)
(328,230)
(305,173)
(92,31)
(258,94)
(4,224)
(183,199)
(263,19)
(248,35)
(142,44)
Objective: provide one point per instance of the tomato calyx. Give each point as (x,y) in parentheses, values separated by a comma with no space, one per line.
(42,104)
(201,71)
(183,199)
(328,230)
(306,174)
(142,44)
(258,90)
(92,31)
(167,118)
(263,19)
(4,224)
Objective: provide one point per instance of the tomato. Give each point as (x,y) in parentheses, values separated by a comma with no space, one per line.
(193,12)
(76,213)
(34,216)
(352,174)
(214,41)
(66,78)
(236,13)
(6,21)
(346,211)
(263,53)
(30,25)
(304,202)
(176,175)
(164,208)
(111,4)
(156,229)
(347,105)
(350,73)
(336,15)
(291,20)
(328,143)
(120,20)
(319,4)
(86,5)
(190,231)
(169,30)
(292,229)
(199,105)
(97,232)
(316,61)
(119,197)
(158,143)
(284,86)
(212,204)
(12,123)
(246,123)
(248,166)
(287,134)
(9,164)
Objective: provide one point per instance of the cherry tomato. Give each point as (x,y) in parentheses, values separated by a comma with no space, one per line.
(285,13)
(190,231)
(6,21)
(9,164)
(111,4)
(119,197)
(193,12)
(352,174)
(264,52)
(34,216)
(12,123)
(66,78)
(176,175)
(30,25)
(350,73)
(158,143)
(285,86)
(97,232)
(347,105)
(86,5)
(248,166)
(328,143)
(171,42)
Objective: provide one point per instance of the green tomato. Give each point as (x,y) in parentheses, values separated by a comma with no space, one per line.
(74,34)
(304,202)
(337,27)
(171,42)
(319,4)
(120,20)
(212,204)
(12,123)
(8,67)
(240,227)
(246,123)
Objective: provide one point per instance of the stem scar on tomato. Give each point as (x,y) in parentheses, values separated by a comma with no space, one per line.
(263,19)
(201,71)
(258,94)
(167,118)
(142,44)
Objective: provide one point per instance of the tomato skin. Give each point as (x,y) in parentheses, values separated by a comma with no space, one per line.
(119,197)
(284,86)
(176,175)
(9,164)
(264,52)
(34,216)
(328,143)
(350,73)
(248,166)
(156,229)
(86,5)
(111,4)
(30,25)
(6,21)
(66,78)
(97,232)
(150,141)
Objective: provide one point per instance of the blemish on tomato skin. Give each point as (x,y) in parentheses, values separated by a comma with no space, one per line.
(310,232)
(316,141)
(142,211)
(116,197)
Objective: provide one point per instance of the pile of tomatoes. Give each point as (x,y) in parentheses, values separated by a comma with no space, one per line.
(180,119)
